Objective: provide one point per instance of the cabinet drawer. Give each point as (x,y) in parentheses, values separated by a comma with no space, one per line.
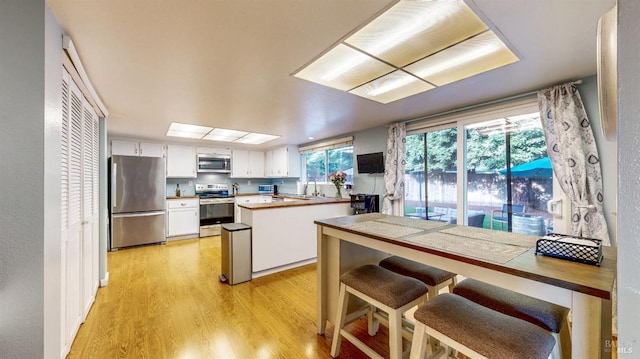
(183,203)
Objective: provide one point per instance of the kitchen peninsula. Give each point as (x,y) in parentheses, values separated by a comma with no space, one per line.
(283,232)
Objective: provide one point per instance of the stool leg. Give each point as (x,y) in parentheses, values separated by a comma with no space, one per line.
(433,291)
(419,341)
(395,335)
(372,323)
(453,283)
(340,319)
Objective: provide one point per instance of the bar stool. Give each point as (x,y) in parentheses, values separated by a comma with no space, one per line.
(548,316)
(434,278)
(477,331)
(384,289)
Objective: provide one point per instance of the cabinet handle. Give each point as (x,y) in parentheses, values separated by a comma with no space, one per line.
(183,204)
(135,150)
(140,150)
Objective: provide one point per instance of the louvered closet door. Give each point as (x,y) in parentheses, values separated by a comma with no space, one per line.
(79,202)
(72,207)
(88,207)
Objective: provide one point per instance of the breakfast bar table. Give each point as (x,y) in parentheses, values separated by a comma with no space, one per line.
(504,259)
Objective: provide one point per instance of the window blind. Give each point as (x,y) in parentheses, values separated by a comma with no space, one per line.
(327,145)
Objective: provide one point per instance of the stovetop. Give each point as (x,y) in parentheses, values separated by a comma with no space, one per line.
(210,191)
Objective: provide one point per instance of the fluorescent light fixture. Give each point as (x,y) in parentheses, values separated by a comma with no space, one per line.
(482,53)
(344,68)
(438,42)
(392,87)
(256,138)
(217,134)
(187,131)
(412,30)
(222,134)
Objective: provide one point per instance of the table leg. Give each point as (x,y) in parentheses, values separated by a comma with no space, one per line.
(322,282)
(591,327)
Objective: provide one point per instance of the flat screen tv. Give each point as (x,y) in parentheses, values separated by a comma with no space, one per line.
(370,163)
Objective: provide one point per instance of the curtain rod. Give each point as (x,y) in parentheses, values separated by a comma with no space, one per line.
(492,102)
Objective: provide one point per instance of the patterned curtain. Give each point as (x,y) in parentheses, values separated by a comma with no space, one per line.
(394,167)
(575,159)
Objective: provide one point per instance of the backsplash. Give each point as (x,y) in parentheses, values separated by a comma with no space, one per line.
(187,185)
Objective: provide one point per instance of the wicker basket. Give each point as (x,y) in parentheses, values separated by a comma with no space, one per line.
(577,249)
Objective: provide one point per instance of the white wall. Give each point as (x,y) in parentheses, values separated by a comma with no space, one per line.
(629,179)
(30,107)
(368,141)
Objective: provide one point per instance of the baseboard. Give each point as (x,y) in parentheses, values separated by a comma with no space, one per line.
(105,280)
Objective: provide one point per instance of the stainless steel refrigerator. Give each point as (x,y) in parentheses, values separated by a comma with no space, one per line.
(138,196)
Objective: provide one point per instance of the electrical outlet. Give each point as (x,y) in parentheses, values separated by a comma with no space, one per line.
(282,182)
(249,182)
(190,183)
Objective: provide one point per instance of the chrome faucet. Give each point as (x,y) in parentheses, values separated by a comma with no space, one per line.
(315,188)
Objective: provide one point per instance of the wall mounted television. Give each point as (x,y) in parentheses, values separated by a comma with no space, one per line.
(370,163)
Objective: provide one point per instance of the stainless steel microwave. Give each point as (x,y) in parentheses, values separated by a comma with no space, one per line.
(214,163)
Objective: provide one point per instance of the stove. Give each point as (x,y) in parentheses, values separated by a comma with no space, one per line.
(216,208)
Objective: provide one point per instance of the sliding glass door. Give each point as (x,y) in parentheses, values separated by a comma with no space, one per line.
(488,171)
(430,175)
(509,176)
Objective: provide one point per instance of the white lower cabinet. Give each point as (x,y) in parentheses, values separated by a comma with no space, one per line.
(183,217)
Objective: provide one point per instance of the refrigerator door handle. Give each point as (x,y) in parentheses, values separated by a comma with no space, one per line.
(114,173)
(139,214)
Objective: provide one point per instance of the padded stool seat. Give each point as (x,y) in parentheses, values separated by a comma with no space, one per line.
(477,331)
(548,316)
(384,289)
(385,286)
(428,275)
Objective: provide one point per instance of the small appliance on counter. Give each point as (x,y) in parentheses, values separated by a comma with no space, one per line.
(275,190)
(365,203)
(266,188)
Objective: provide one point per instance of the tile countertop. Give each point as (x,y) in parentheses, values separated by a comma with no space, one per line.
(294,201)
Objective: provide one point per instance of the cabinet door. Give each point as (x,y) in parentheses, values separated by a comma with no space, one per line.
(124,148)
(151,149)
(256,164)
(281,166)
(182,221)
(268,164)
(181,161)
(240,163)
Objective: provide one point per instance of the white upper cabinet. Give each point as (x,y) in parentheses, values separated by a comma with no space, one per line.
(285,162)
(181,161)
(247,164)
(133,148)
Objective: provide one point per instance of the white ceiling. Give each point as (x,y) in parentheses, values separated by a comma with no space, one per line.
(228,63)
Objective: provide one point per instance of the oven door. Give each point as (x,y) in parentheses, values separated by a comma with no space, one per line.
(212,215)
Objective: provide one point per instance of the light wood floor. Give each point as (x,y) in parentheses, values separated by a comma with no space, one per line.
(165,301)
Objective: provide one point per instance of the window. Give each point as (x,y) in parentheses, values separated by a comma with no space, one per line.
(319,164)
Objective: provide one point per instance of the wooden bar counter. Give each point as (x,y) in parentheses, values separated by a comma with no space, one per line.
(504,259)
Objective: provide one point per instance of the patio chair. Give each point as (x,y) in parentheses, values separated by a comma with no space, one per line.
(501,215)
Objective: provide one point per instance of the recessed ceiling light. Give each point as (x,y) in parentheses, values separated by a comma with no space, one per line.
(310,138)
(417,44)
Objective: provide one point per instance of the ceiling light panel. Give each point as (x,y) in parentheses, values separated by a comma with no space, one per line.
(187,131)
(474,56)
(256,138)
(344,68)
(392,87)
(222,134)
(412,30)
